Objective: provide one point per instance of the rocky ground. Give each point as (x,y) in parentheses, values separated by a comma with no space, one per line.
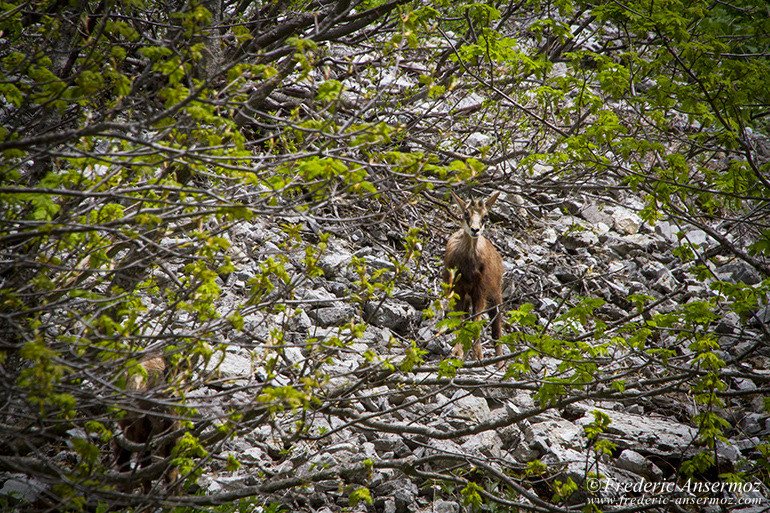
(553,248)
(367,403)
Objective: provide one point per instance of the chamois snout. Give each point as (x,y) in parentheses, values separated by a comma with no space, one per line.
(478,270)
(473,219)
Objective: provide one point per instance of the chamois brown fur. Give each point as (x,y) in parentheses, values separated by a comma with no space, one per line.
(142,427)
(474,270)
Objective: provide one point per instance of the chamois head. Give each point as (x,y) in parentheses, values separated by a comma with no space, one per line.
(474,214)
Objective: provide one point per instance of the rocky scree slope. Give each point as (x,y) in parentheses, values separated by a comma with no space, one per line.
(554,250)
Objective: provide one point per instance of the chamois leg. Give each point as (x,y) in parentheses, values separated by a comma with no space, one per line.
(464,306)
(494,314)
(123,459)
(479,305)
(145,460)
(171,475)
(478,352)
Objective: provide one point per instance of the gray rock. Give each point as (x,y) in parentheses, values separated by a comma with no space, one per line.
(573,465)
(698,237)
(257,325)
(651,269)
(332,315)
(369,450)
(576,239)
(596,214)
(294,320)
(435,446)
(549,236)
(666,282)
(392,313)
(335,263)
(253,455)
(748,444)
(390,442)
(554,432)
(620,245)
(617,289)
(601,229)
(633,461)
(728,451)
(324,488)
(377,336)
(738,272)
(540,169)
(316,297)
(666,230)
(571,206)
(441,506)
(547,306)
(20,487)
(341,458)
(234,364)
(524,453)
(630,244)
(405,497)
(323,425)
(728,324)
(221,483)
(477,140)
(341,447)
(762,316)
(419,299)
(433,344)
(512,207)
(339,288)
(644,433)
(611,312)
(395,82)
(379,263)
(269,248)
(401,493)
(292,354)
(469,407)
(744,384)
(750,423)
(486,444)
(248,231)
(240,278)
(510,434)
(626,221)
(565,274)
(696,289)
(364,252)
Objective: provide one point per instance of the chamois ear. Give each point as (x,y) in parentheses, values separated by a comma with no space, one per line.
(459,202)
(492,199)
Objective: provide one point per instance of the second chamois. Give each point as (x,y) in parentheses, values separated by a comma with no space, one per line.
(148,423)
(474,269)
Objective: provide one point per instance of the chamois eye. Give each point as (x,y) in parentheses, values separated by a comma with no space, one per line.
(467,215)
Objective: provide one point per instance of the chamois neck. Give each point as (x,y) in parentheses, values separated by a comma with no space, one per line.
(471,243)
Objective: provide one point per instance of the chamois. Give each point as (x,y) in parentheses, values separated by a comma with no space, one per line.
(140,427)
(474,270)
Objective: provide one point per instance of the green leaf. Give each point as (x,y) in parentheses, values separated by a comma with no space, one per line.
(360,494)
(471,496)
(329,91)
